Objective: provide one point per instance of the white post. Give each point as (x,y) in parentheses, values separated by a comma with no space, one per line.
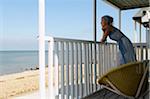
(119,19)
(148,37)
(42,47)
(94,30)
(135,32)
(140,35)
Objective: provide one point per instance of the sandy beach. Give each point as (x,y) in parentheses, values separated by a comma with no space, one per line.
(19,83)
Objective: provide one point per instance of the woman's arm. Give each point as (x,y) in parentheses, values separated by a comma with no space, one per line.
(105,34)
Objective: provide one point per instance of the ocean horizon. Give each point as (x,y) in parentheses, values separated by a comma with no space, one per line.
(15,61)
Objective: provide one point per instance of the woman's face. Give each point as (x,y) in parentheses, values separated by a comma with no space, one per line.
(104,23)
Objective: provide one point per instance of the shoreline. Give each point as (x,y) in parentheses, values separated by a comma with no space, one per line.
(21,71)
(19,83)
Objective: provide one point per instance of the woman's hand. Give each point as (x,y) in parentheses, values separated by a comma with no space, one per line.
(101,41)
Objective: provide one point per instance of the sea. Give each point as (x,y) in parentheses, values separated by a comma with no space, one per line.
(18,61)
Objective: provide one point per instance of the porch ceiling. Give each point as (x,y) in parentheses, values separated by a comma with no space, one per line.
(129,4)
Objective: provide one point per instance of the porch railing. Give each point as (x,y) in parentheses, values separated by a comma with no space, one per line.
(142,51)
(72,71)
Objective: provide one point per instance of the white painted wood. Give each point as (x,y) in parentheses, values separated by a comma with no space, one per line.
(72,70)
(81,74)
(41,30)
(85,69)
(56,70)
(76,71)
(67,70)
(62,70)
(50,69)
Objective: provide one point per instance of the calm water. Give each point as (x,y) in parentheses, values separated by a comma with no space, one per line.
(18,61)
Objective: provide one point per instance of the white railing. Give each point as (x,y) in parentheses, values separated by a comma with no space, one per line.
(72,71)
(142,51)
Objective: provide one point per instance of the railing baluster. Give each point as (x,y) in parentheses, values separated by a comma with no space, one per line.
(95,69)
(80,64)
(87,60)
(105,58)
(115,55)
(50,69)
(72,71)
(67,69)
(56,69)
(98,65)
(62,70)
(110,58)
(112,55)
(149,54)
(90,67)
(136,52)
(85,69)
(141,47)
(76,70)
(94,72)
(139,53)
(103,54)
(146,53)
(99,61)
(116,52)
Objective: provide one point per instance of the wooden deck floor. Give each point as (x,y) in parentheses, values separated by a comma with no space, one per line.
(106,94)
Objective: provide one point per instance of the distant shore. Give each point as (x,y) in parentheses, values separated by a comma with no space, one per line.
(15,84)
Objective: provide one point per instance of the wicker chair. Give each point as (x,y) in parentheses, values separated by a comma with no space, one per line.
(127,79)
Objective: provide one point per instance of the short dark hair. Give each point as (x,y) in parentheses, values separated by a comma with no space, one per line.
(108,18)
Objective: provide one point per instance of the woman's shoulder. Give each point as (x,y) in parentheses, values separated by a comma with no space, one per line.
(118,31)
(114,29)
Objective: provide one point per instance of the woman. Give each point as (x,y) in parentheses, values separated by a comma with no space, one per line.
(125,45)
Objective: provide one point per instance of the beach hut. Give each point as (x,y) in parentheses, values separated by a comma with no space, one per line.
(142,17)
(72,85)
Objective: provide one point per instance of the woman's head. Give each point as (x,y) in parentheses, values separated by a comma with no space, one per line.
(106,21)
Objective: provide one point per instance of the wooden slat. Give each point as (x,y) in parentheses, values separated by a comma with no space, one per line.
(80,66)
(85,69)
(56,67)
(90,68)
(67,69)
(76,71)
(72,70)
(87,62)
(62,70)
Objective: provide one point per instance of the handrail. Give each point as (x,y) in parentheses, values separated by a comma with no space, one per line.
(48,38)
(144,45)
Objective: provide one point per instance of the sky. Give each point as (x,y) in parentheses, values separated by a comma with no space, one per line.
(64,18)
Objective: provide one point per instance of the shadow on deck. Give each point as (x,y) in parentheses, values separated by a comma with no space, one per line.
(106,94)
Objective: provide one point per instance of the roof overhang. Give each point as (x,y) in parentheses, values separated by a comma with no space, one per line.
(129,4)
